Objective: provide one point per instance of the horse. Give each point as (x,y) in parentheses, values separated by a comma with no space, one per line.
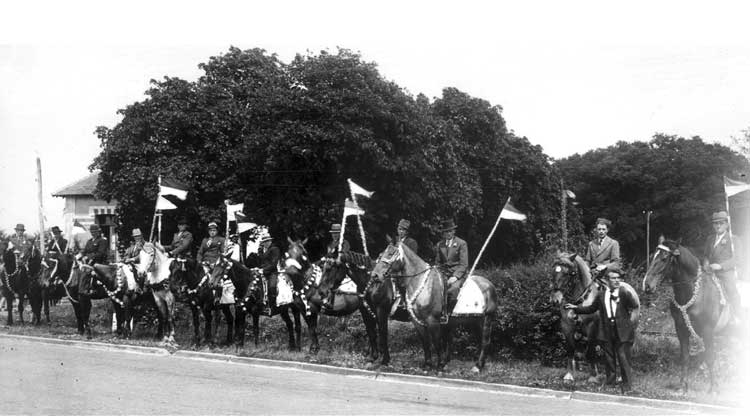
(21,281)
(194,290)
(696,302)
(154,265)
(109,280)
(424,289)
(78,287)
(56,272)
(572,282)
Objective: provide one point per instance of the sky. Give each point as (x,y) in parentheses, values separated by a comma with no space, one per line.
(570,76)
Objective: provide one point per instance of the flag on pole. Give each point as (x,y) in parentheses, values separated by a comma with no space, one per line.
(78,228)
(511,213)
(243,224)
(351,208)
(732,187)
(171,186)
(570,194)
(232,209)
(164,204)
(358,190)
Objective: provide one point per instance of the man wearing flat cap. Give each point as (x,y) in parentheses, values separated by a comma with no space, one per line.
(332,249)
(19,242)
(57,245)
(721,256)
(452,257)
(96,250)
(603,251)
(619,309)
(182,241)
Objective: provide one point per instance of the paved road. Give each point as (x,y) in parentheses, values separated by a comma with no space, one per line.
(55,379)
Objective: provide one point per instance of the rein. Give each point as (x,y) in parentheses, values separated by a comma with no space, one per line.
(410,302)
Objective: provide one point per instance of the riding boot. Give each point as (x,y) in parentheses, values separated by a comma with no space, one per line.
(444,312)
(270,307)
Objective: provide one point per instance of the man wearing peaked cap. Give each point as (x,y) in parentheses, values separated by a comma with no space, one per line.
(97,248)
(721,255)
(57,245)
(452,256)
(209,253)
(182,241)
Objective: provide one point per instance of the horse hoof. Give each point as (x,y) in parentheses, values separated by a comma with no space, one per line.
(475,370)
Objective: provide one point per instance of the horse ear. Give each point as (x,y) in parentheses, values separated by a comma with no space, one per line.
(661,239)
(289,239)
(572,257)
(305,241)
(389,239)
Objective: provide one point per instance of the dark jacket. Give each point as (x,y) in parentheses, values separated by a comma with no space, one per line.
(722,254)
(454,259)
(133,251)
(333,247)
(57,246)
(626,314)
(412,244)
(96,250)
(182,244)
(269,260)
(606,253)
(211,249)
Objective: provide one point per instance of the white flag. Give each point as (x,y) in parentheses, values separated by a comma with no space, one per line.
(171,186)
(358,190)
(732,187)
(511,213)
(351,208)
(231,209)
(164,204)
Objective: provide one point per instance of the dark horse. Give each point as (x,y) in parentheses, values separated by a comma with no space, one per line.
(22,280)
(55,272)
(572,282)
(78,287)
(424,288)
(193,289)
(695,305)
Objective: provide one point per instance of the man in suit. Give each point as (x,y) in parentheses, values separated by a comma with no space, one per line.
(619,309)
(269,255)
(133,252)
(603,251)
(332,250)
(97,248)
(182,241)
(20,243)
(721,257)
(210,252)
(452,257)
(57,245)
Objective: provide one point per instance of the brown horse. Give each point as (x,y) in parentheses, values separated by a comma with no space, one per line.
(21,280)
(424,289)
(695,305)
(572,282)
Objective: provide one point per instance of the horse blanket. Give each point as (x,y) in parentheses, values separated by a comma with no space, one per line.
(126,277)
(285,289)
(227,292)
(470,300)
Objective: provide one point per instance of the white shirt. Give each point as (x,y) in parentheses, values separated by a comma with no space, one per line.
(611,306)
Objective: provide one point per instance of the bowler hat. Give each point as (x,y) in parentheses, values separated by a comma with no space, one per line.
(20,227)
(719,216)
(404,224)
(447,225)
(137,232)
(213,224)
(335,228)
(94,227)
(604,221)
(264,236)
(56,230)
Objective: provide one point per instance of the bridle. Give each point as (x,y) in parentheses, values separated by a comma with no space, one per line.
(570,282)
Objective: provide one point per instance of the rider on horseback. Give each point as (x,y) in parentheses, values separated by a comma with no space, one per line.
(452,257)
(20,243)
(182,241)
(720,258)
(57,245)
(603,251)
(402,231)
(269,259)
(209,254)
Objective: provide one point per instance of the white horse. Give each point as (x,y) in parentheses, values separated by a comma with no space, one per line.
(154,266)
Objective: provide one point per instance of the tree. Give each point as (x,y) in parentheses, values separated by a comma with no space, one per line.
(679,179)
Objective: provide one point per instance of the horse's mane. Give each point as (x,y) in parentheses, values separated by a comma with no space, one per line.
(564,259)
(687,260)
(360,260)
(411,255)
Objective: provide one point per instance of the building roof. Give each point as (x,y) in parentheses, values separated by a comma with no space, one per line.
(82,187)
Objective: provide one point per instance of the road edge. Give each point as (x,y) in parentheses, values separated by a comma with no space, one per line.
(387,376)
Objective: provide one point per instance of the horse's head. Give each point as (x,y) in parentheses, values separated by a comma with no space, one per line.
(333,272)
(296,254)
(390,260)
(663,263)
(33,259)
(571,279)
(180,271)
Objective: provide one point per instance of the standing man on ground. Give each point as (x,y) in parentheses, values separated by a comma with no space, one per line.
(619,309)
(452,257)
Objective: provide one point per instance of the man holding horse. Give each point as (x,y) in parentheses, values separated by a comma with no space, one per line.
(182,241)
(619,309)
(452,257)
(57,245)
(603,251)
(97,248)
(720,257)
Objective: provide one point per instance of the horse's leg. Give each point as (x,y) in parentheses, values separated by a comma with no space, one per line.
(437,343)
(20,307)
(208,333)
(170,303)
(424,335)
(85,301)
(35,300)
(684,336)
(163,312)
(383,311)
(77,311)
(45,304)
(297,328)
(240,312)
(486,339)
(284,312)
(230,323)
(256,325)
(568,330)
(9,305)
(196,325)
(372,332)
(312,329)
(709,357)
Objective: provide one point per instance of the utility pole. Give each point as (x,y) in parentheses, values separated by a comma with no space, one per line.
(41,204)
(648,237)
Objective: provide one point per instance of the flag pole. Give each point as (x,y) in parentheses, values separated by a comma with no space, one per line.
(729,222)
(41,204)
(476,260)
(156,211)
(563,216)
(343,228)
(359,222)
